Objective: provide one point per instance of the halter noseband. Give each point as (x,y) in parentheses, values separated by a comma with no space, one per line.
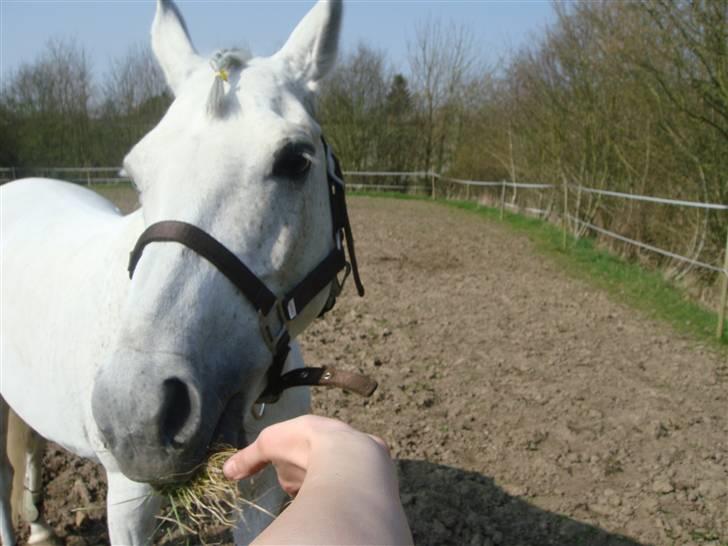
(275,313)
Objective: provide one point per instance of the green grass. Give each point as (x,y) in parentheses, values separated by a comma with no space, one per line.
(644,290)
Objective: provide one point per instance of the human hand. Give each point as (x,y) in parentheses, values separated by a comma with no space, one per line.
(291,446)
(344,480)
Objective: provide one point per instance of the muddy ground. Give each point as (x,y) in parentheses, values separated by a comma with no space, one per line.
(523,406)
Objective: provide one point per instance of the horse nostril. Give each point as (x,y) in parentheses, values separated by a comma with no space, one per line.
(175,412)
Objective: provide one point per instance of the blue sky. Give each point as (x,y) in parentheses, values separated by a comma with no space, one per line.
(106,28)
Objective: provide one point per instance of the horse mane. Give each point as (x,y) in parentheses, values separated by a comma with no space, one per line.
(222,62)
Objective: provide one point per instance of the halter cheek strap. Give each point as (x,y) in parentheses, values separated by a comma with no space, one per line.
(275,313)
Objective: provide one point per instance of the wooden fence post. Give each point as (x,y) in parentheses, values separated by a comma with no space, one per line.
(563,216)
(723,293)
(503,198)
(88,178)
(432,176)
(14,175)
(467,192)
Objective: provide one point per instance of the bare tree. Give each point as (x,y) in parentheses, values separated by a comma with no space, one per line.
(132,80)
(441,59)
(353,108)
(54,97)
(134,98)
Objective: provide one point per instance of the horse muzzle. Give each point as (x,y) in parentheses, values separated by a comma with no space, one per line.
(155,417)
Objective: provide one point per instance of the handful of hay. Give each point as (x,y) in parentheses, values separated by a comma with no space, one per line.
(207,499)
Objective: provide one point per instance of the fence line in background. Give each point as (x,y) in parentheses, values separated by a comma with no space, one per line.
(502,183)
(9,173)
(521,185)
(385,187)
(646,246)
(75,169)
(472,182)
(414,174)
(651,199)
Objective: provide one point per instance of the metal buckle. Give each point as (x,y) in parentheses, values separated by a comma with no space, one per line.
(258,410)
(266,326)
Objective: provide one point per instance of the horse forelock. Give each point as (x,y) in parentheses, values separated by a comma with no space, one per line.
(223,62)
(230,64)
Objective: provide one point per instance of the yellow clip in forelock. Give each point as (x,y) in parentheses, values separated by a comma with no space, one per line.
(223,74)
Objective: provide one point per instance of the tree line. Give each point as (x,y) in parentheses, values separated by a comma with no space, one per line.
(623,96)
(55,111)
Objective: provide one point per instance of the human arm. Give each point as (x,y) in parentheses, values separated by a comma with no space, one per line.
(345,481)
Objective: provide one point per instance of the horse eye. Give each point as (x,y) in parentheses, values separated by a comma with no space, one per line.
(292,165)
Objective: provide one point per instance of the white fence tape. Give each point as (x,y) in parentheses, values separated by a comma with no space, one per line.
(415,174)
(471,182)
(426,174)
(528,186)
(662,200)
(118,180)
(76,169)
(386,187)
(499,184)
(646,246)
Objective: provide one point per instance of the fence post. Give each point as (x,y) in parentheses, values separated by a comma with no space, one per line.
(467,192)
(503,198)
(723,293)
(432,178)
(88,178)
(14,175)
(563,216)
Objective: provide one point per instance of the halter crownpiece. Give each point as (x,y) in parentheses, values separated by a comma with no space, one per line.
(274,313)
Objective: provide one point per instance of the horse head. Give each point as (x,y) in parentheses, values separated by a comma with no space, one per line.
(240,156)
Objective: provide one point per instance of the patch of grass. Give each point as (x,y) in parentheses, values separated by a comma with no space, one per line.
(703,535)
(647,291)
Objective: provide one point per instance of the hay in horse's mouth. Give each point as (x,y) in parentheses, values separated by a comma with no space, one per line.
(206,498)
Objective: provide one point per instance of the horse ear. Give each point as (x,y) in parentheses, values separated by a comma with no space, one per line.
(172,46)
(311,49)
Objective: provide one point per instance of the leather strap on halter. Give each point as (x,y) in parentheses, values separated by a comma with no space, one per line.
(213,251)
(266,302)
(325,376)
(236,271)
(339,212)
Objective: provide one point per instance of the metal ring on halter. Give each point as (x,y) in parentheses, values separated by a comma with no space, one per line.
(258,410)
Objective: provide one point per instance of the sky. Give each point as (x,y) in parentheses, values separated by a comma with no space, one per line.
(107,28)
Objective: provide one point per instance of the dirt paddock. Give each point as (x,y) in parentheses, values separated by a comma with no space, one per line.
(523,407)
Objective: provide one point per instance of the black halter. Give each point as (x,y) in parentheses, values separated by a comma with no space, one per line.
(275,313)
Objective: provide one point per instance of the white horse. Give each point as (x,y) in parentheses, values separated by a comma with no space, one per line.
(143,374)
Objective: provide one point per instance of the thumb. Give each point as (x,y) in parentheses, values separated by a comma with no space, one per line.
(244,463)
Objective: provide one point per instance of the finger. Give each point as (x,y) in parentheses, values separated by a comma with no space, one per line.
(381,442)
(244,463)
